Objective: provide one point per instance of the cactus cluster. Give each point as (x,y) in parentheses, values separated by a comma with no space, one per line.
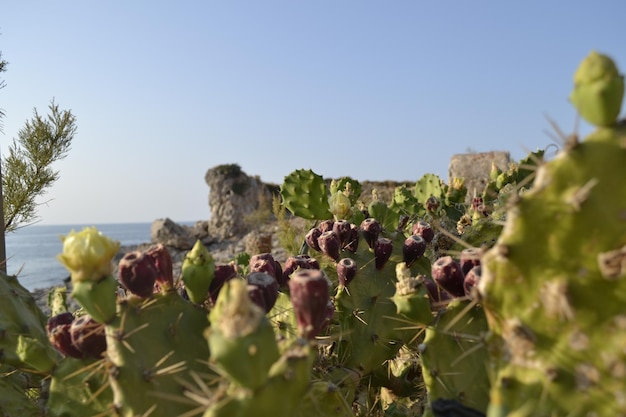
(420,306)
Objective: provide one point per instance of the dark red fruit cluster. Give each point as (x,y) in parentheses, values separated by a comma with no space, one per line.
(147,272)
(79,338)
(331,237)
(456,278)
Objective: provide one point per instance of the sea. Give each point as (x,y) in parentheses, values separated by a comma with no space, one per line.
(32,250)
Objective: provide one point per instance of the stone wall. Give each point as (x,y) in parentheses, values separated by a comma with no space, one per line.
(475,168)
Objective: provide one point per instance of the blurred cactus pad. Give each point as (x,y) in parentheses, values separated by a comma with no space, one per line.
(419,302)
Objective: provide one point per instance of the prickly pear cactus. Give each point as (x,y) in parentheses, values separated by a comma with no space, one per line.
(305,194)
(23,340)
(554,285)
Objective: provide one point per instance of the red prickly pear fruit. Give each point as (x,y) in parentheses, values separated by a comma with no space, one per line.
(342,230)
(311,238)
(425,230)
(330,313)
(88,336)
(413,248)
(58,329)
(448,275)
(470,257)
(163,263)
(370,228)
(265,262)
(471,280)
(326,225)
(256,296)
(432,204)
(438,296)
(310,293)
(353,239)
(382,251)
(346,271)
(268,286)
(330,245)
(293,263)
(402,222)
(137,273)
(223,273)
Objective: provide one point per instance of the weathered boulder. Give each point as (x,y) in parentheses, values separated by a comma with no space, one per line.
(475,168)
(171,234)
(233,197)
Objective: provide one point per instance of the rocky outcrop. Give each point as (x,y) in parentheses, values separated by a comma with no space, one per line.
(233,197)
(169,233)
(475,168)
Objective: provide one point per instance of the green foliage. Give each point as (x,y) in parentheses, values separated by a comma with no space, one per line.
(27,171)
(3,68)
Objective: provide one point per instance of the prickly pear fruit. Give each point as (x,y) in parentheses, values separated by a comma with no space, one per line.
(163,263)
(222,274)
(241,339)
(346,270)
(268,286)
(59,334)
(138,273)
(424,229)
(265,262)
(198,270)
(382,251)
(310,293)
(87,255)
(293,263)
(448,275)
(370,229)
(88,336)
(330,245)
(413,248)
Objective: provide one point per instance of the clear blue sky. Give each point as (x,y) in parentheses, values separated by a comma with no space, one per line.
(375,90)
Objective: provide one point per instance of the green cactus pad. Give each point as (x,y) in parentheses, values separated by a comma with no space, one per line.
(554,287)
(241,338)
(79,388)
(23,340)
(156,348)
(598,90)
(305,194)
(454,356)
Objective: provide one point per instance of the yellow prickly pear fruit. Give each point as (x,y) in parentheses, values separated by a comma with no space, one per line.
(87,255)
(598,90)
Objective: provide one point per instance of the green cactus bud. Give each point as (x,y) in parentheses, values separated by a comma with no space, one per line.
(411,297)
(87,254)
(198,270)
(340,205)
(98,298)
(241,339)
(598,90)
